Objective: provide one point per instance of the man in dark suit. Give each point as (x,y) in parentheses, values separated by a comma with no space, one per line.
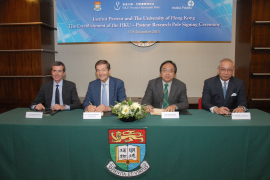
(166,92)
(58,94)
(224,92)
(104,91)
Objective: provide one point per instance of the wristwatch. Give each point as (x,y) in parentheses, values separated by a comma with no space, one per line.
(243,107)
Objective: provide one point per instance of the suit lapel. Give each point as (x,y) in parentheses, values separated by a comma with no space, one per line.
(98,88)
(50,90)
(219,89)
(159,88)
(230,90)
(172,91)
(64,90)
(111,90)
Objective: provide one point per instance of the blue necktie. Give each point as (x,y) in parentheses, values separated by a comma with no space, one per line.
(224,89)
(104,95)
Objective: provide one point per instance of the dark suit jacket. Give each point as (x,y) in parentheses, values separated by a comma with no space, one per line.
(117,92)
(69,95)
(177,96)
(213,93)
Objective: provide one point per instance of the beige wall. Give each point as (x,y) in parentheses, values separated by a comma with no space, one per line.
(136,66)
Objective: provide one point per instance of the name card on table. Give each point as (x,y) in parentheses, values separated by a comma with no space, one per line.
(241,116)
(34,115)
(92,115)
(170,115)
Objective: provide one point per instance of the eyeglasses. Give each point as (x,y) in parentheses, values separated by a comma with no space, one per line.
(224,70)
(167,70)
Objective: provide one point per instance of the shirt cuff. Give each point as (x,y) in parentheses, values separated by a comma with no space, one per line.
(33,107)
(176,108)
(212,109)
(67,107)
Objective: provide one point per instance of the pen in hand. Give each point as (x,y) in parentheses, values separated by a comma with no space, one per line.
(91,104)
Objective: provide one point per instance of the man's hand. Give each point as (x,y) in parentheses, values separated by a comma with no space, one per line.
(39,107)
(102,108)
(90,108)
(170,108)
(221,110)
(58,107)
(238,110)
(149,109)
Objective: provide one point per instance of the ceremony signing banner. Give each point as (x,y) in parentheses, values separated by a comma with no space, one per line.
(143,20)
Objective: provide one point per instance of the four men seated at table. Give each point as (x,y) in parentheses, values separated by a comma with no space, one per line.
(223,92)
(166,91)
(220,93)
(58,94)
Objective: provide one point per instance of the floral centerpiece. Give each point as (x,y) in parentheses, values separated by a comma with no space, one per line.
(129,110)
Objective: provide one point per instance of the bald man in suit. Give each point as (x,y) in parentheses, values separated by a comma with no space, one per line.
(224,92)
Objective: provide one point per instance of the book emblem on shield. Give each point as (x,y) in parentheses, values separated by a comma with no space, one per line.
(127,149)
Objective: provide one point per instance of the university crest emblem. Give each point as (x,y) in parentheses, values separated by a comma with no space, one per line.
(127,149)
(97,6)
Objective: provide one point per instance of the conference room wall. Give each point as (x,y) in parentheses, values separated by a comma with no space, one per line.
(136,65)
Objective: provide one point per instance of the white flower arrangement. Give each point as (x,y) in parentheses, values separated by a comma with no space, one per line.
(129,109)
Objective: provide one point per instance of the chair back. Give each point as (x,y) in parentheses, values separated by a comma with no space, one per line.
(200,104)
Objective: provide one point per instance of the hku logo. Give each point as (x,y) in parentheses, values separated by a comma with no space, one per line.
(127,149)
(97,6)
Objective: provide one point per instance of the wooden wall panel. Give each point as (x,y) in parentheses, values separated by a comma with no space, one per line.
(261,10)
(31,44)
(260,62)
(242,42)
(20,63)
(47,38)
(259,87)
(263,105)
(21,90)
(26,63)
(47,60)
(18,11)
(20,37)
(46,12)
(261,36)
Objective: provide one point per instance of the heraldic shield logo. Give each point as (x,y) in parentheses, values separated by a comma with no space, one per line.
(127,149)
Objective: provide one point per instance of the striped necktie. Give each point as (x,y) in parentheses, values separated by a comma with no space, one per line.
(165,97)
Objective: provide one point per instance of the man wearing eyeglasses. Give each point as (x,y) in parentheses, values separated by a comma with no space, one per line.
(224,92)
(165,91)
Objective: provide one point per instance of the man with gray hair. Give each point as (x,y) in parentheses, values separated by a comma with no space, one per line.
(224,92)
(58,94)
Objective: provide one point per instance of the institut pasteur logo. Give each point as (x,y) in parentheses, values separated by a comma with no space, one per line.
(127,150)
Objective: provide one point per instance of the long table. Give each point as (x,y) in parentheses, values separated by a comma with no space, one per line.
(197,147)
